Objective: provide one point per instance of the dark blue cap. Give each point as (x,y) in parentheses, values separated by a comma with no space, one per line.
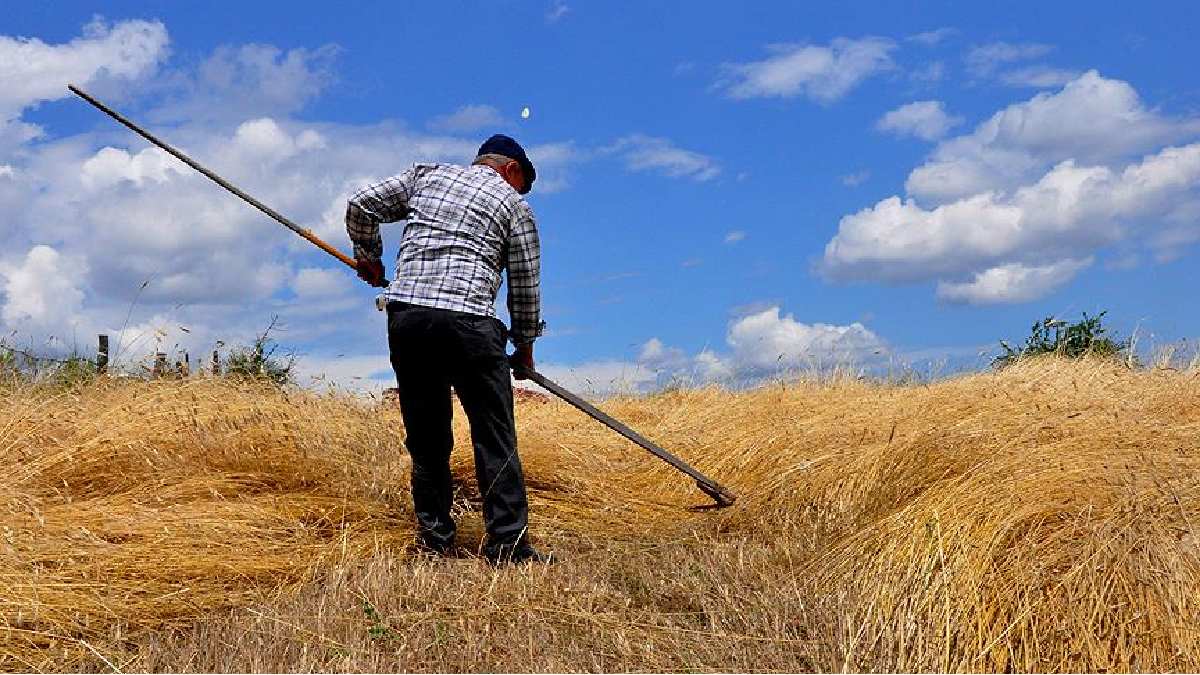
(505,145)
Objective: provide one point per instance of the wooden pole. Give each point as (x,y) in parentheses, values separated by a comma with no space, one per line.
(102,355)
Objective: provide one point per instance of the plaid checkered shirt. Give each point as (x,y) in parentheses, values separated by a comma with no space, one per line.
(465,225)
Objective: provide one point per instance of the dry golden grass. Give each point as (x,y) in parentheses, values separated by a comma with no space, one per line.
(1042,518)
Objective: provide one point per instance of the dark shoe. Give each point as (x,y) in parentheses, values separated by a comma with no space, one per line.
(523,553)
(438,547)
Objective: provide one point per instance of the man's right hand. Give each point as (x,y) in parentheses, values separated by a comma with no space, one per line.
(370,271)
(522,361)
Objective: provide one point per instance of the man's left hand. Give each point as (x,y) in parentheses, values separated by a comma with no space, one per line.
(521,361)
(371,271)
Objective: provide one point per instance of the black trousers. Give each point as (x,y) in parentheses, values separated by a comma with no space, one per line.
(433,350)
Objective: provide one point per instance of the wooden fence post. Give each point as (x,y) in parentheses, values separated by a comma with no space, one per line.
(102,355)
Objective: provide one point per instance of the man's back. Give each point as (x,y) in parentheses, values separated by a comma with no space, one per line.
(453,248)
(465,225)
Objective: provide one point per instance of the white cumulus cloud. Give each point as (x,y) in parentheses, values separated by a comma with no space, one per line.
(1012,282)
(926,120)
(1040,77)
(985,59)
(104,59)
(32,71)
(822,73)
(997,61)
(1093,120)
(247,81)
(41,288)
(660,155)
(767,341)
(762,344)
(110,166)
(468,118)
(553,162)
(932,38)
(1022,204)
(319,282)
(1071,210)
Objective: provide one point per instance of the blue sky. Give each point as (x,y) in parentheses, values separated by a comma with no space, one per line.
(723,190)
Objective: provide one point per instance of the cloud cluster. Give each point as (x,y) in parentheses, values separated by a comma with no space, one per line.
(1012,282)
(468,118)
(985,59)
(990,61)
(137,216)
(822,73)
(1019,206)
(241,82)
(35,71)
(762,344)
(932,38)
(98,227)
(101,234)
(1092,120)
(315,283)
(926,120)
(553,162)
(42,287)
(1038,77)
(650,153)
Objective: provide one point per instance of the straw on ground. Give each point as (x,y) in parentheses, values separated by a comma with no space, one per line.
(1040,518)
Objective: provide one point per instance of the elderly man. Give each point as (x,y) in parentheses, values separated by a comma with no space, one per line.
(465,225)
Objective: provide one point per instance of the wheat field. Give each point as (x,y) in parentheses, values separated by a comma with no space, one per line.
(1042,518)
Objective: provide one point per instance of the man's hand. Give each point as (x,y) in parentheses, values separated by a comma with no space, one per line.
(522,361)
(371,271)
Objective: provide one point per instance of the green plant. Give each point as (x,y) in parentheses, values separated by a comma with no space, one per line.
(74,370)
(379,629)
(259,361)
(1086,337)
(22,366)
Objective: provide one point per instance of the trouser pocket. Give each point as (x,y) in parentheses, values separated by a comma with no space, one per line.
(482,338)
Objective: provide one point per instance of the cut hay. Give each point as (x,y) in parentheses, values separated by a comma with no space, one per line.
(1041,518)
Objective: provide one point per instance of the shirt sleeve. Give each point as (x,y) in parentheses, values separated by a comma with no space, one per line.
(524,278)
(382,202)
